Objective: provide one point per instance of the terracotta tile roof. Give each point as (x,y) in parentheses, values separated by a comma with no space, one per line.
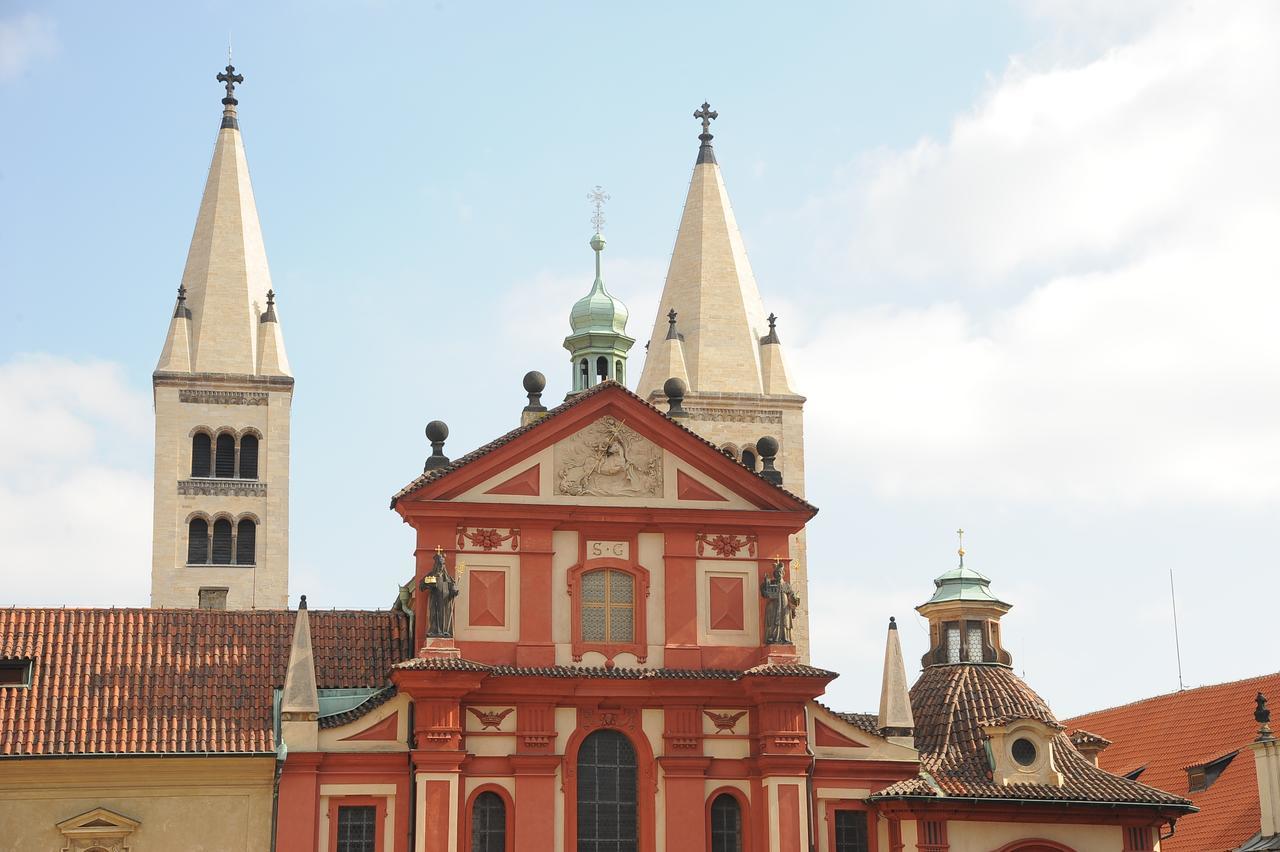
(578,399)
(615,673)
(952,703)
(1170,732)
(869,722)
(151,681)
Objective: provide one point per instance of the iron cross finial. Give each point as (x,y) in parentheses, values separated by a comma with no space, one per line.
(773,322)
(671,316)
(960,536)
(231,78)
(182,294)
(706,113)
(598,197)
(271,298)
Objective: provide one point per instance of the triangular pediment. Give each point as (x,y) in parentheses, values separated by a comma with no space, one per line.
(100,823)
(606,447)
(833,736)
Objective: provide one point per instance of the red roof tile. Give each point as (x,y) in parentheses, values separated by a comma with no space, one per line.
(952,704)
(1168,733)
(151,681)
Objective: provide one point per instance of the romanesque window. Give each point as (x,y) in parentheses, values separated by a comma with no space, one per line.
(489,823)
(608,607)
(222,546)
(749,458)
(602,369)
(607,806)
(201,454)
(246,534)
(249,457)
(357,828)
(224,460)
(726,824)
(197,541)
(851,831)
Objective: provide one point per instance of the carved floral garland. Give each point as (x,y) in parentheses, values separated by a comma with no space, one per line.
(726,546)
(487,538)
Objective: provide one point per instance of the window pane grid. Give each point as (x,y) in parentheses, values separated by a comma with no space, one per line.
(489,823)
(357,828)
(726,824)
(608,607)
(851,831)
(607,810)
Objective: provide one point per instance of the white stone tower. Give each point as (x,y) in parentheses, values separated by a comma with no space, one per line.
(223,391)
(712,332)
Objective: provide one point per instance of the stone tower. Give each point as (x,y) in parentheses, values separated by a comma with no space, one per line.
(223,391)
(598,342)
(712,332)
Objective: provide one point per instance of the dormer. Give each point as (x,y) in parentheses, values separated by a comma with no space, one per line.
(1022,752)
(964,620)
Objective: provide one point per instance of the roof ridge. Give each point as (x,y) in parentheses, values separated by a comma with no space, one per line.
(1173,694)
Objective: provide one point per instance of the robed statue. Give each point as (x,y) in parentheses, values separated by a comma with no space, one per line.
(780,606)
(441,589)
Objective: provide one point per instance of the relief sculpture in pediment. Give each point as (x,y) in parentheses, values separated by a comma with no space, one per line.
(608,459)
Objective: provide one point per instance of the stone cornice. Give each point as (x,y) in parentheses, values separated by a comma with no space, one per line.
(221,380)
(222,487)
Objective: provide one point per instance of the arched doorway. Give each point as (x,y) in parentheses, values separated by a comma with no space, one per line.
(1036,845)
(606,802)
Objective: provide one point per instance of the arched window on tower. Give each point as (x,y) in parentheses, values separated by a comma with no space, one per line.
(201,454)
(488,823)
(198,541)
(602,369)
(584,375)
(749,458)
(249,457)
(726,824)
(221,542)
(246,540)
(224,461)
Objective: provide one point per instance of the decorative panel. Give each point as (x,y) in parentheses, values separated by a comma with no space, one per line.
(487,596)
(608,459)
(725,603)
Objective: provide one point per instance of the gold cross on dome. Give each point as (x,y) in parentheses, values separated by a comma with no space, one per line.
(960,535)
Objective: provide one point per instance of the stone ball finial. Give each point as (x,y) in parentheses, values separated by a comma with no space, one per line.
(437,432)
(534,382)
(767,447)
(675,388)
(302,604)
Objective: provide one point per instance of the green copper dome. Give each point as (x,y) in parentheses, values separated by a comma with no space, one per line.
(598,311)
(963,584)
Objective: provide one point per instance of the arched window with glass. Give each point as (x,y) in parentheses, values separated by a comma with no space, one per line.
(488,823)
(607,808)
(726,824)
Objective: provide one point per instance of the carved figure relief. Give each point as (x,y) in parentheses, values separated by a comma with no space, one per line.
(608,459)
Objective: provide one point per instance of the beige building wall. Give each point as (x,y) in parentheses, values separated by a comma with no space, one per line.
(986,836)
(203,804)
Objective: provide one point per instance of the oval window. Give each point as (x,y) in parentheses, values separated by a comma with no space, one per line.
(1024,751)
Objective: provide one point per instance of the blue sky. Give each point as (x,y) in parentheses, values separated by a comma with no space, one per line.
(1022,257)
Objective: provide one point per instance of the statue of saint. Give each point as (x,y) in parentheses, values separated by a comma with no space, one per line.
(780,607)
(441,589)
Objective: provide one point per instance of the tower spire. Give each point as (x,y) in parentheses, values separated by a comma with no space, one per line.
(598,343)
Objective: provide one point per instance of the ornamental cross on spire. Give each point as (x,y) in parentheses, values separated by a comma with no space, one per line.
(598,197)
(960,535)
(706,113)
(231,78)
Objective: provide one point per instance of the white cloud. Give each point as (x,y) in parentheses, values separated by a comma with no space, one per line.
(1100,244)
(75,494)
(23,40)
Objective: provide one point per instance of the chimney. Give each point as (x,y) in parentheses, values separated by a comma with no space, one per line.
(1089,744)
(1266,756)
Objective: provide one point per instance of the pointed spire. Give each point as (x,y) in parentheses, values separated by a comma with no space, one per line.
(300,700)
(175,357)
(773,372)
(895,720)
(772,336)
(272,360)
(598,342)
(269,315)
(666,356)
(710,284)
(226,275)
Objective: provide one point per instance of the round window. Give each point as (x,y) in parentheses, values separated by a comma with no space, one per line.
(1024,751)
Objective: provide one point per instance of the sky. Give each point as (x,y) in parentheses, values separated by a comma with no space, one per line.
(1023,253)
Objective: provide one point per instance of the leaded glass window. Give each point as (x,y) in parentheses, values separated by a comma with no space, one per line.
(953,643)
(357,828)
(488,823)
(851,831)
(973,643)
(607,810)
(726,824)
(608,607)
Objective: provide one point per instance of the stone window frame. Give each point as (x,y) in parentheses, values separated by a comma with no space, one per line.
(639,646)
(235,521)
(237,436)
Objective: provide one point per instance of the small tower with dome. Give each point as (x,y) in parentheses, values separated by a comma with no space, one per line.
(598,341)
